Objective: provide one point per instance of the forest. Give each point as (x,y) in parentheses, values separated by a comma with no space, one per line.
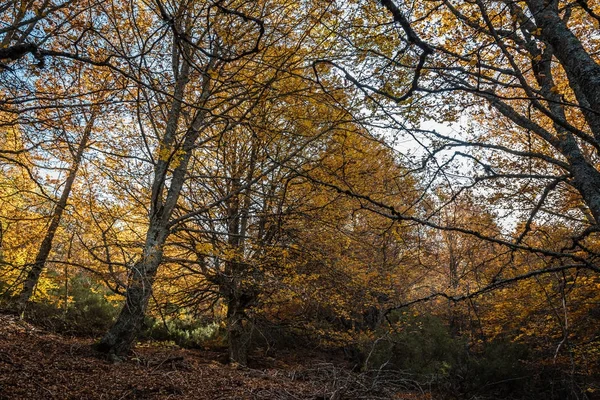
(300,199)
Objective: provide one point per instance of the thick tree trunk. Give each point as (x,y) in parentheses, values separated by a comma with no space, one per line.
(119,339)
(586,179)
(238,334)
(33,276)
(234,292)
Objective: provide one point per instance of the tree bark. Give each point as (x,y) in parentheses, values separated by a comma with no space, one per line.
(582,70)
(238,335)
(119,339)
(33,276)
(237,295)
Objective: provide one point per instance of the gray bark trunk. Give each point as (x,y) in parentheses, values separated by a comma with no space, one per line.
(585,177)
(582,70)
(119,339)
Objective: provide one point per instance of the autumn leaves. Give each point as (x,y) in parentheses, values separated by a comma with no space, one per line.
(235,156)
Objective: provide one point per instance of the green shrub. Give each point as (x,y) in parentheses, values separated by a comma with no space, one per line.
(185,333)
(90,311)
(498,368)
(421,345)
(87,311)
(424,347)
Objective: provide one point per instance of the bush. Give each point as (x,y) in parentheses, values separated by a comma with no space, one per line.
(91,312)
(87,311)
(498,368)
(185,332)
(421,345)
(424,347)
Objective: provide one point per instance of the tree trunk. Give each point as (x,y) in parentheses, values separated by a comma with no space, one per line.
(120,337)
(234,291)
(33,276)
(569,50)
(238,335)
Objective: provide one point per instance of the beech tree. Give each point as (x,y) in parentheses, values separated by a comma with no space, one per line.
(346,264)
(228,222)
(197,54)
(223,73)
(521,150)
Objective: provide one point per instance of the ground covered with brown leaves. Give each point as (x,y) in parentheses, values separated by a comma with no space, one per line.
(36,364)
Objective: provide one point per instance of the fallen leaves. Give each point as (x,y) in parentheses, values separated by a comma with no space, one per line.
(35,364)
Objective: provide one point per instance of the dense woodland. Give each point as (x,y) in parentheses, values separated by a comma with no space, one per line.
(411,187)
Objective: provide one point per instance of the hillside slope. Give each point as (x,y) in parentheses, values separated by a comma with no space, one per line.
(36,364)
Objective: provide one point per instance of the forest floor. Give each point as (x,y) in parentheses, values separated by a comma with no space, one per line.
(37,364)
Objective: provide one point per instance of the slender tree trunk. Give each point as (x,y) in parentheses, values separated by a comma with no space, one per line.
(33,276)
